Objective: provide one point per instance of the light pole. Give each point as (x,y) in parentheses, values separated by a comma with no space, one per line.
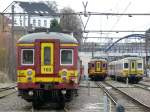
(146,52)
(12,49)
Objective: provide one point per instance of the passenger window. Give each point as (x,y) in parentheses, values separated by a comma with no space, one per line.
(139,65)
(27,57)
(126,65)
(66,56)
(47,56)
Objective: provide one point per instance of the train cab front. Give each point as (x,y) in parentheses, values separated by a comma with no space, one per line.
(46,66)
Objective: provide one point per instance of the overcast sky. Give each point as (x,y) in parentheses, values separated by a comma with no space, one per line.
(107,22)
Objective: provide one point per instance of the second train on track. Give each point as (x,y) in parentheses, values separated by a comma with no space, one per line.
(97,69)
(130,67)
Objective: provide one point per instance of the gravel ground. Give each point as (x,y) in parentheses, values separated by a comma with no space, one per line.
(3,85)
(146,81)
(13,103)
(89,100)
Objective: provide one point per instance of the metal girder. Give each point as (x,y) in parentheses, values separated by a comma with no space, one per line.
(128,36)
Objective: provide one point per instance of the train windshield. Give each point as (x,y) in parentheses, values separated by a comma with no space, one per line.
(139,65)
(66,56)
(126,65)
(27,57)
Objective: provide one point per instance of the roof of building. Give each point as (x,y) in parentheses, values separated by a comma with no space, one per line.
(64,38)
(35,7)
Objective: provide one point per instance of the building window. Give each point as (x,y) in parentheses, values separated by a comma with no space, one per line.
(27,57)
(20,22)
(45,23)
(39,23)
(66,57)
(15,21)
(34,22)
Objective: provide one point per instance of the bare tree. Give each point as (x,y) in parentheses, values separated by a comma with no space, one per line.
(52,5)
(71,23)
(4,48)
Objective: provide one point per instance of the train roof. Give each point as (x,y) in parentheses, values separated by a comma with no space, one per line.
(125,59)
(98,60)
(132,58)
(64,38)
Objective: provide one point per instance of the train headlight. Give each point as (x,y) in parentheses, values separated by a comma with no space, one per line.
(64,74)
(29,79)
(63,92)
(73,80)
(29,72)
(30,93)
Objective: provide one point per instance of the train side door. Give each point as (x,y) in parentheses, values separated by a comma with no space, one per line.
(133,67)
(47,58)
(98,66)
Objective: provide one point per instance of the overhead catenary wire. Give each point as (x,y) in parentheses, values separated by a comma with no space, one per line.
(80,13)
(119,18)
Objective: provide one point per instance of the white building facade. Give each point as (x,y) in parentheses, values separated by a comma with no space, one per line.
(32,14)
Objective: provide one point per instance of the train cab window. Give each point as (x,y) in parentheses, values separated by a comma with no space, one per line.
(66,57)
(98,65)
(92,65)
(139,65)
(104,65)
(132,65)
(27,57)
(126,65)
(47,58)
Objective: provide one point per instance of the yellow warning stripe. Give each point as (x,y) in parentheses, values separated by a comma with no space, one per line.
(25,44)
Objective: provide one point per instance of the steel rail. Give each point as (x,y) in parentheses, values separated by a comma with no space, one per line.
(106,92)
(142,86)
(4,89)
(142,104)
(66,110)
(7,88)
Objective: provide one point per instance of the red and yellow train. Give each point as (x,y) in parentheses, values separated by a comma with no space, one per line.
(97,69)
(48,67)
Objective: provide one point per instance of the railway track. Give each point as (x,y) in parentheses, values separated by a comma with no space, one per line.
(121,97)
(6,91)
(143,86)
(66,110)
